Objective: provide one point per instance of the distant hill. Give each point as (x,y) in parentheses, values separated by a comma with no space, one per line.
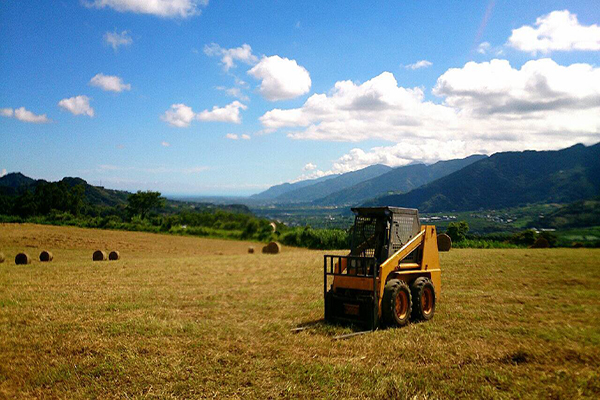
(321,189)
(278,190)
(579,214)
(401,179)
(510,179)
(11,182)
(15,183)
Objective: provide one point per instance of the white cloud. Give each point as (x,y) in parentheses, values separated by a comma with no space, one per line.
(559,30)
(115,39)
(229,113)
(282,78)
(165,144)
(487,107)
(3,172)
(109,83)
(309,167)
(179,115)
(245,137)
(161,8)
(24,115)
(234,92)
(232,136)
(419,64)
(484,47)
(78,105)
(27,116)
(229,56)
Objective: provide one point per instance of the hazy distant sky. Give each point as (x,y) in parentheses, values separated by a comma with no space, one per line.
(230,97)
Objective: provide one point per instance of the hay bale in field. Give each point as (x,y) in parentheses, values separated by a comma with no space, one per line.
(22,259)
(444,242)
(272,248)
(250,250)
(99,255)
(541,243)
(46,256)
(114,255)
(2,257)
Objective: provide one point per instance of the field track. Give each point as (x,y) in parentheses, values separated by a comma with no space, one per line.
(184,317)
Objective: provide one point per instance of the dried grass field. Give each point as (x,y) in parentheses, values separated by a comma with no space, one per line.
(182,317)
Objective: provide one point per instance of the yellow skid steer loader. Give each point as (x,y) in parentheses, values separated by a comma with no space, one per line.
(392,274)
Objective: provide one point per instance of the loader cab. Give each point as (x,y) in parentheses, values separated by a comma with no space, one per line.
(381,231)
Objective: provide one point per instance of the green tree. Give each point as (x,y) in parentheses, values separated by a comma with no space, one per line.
(524,238)
(141,203)
(458,230)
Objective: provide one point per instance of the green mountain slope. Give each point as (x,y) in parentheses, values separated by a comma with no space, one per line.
(343,181)
(16,183)
(278,190)
(510,179)
(401,179)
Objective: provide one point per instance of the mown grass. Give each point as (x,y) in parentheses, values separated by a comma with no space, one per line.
(196,318)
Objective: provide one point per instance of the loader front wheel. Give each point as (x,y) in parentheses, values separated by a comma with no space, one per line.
(396,303)
(423,295)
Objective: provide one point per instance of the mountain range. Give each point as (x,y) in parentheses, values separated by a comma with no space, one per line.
(509,179)
(506,179)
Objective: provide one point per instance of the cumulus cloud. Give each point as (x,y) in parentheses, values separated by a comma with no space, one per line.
(230,56)
(232,136)
(3,172)
(160,8)
(24,115)
(486,107)
(179,115)
(229,113)
(309,167)
(245,137)
(419,64)
(557,31)
(282,78)
(115,39)
(165,144)
(109,83)
(78,105)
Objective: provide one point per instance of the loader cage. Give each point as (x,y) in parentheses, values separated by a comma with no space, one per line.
(350,305)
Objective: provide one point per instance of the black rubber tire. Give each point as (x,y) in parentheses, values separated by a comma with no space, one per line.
(423,294)
(396,290)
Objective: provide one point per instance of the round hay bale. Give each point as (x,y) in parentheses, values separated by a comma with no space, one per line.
(541,243)
(2,257)
(22,259)
(250,250)
(46,256)
(114,255)
(272,248)
(99,255)
(444,242)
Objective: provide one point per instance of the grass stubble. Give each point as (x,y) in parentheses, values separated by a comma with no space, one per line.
(182,317)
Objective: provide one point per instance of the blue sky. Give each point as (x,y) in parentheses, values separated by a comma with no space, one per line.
(287,118)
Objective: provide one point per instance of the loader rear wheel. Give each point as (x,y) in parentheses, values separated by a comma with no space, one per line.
(423,295)
(396,303)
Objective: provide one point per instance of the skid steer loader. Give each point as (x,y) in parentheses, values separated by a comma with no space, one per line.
(392,274)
